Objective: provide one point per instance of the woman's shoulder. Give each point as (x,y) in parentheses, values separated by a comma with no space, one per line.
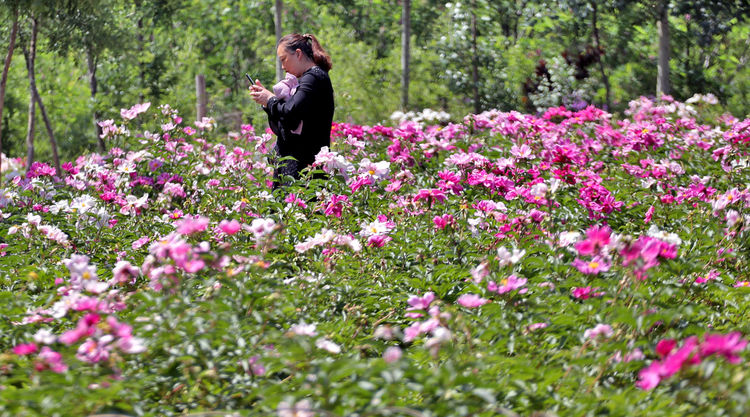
(315,73)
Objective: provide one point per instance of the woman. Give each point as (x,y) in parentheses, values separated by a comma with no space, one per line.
(311,104)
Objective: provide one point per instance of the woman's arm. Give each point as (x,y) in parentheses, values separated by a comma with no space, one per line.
(292,110)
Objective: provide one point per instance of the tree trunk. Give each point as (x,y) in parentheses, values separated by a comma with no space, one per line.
(48,125)
(140,39)
(4,80)
(93,86)
(662,28)
(405,53)
(605,79)
(474,58)
(200,94)
(30,55)
(277,24)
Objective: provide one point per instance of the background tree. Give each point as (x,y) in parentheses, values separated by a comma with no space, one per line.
(88,29)
(405,54)
(4,80)
(95,57)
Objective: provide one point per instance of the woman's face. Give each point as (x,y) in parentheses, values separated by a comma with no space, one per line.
(291,62)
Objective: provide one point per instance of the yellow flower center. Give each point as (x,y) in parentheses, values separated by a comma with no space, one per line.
(504,282)
(593,265)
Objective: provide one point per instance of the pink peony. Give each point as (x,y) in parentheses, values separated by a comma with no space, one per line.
(507,285)
(596,238)
(25,349)
(190,225)
(392,354)
(472,300)
(592,267)
(603,330)
(230,227)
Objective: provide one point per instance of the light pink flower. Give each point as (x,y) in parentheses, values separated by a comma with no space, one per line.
(472,300)
(94,351)
(51,360)
(302,329)
(392,354)
(140,242)
(507,285)
(124,272)
(131,113)
(604,330)
(536,326)
(592,267)
(190,225)
(327,345)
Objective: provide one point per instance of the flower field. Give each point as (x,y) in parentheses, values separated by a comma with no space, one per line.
(561,264)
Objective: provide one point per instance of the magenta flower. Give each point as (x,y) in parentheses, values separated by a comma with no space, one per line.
(431,195)
(293,199)
(725,345)
(359,182)
(25,349)
(335,205)
(596,238)
(712,275)
(690,353)
(584,293)
(472,300)
(665,347)
(86,327)
(649,214)
(649,377)
(230,227)
(441,222)
(378,241)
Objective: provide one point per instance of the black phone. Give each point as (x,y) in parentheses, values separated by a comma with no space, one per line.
(249,79)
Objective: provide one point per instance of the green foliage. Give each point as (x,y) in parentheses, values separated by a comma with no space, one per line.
(154,50)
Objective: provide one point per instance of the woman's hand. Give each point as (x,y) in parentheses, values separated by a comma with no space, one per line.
(259,93)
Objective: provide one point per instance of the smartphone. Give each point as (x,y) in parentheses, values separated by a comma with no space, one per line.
(249,79)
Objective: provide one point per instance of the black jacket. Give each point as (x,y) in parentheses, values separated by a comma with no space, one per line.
(312,104)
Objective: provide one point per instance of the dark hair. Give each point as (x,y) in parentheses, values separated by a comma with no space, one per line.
(309,46)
